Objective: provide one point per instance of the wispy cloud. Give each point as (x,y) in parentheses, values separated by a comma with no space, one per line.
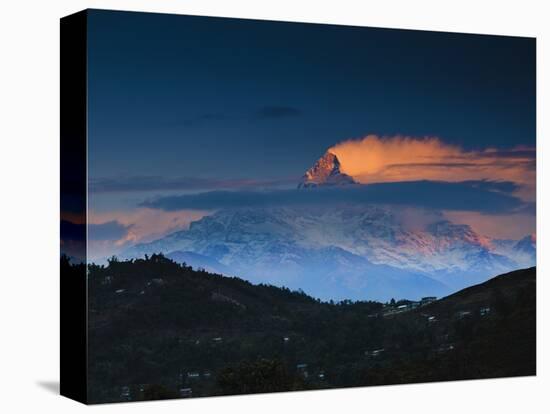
(264,112)
(480,196)
(376,159)
(143,224)
(499,226)
(110,230)
(102,239)
(157,183)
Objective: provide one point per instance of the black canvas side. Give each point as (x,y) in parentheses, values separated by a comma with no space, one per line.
(73,97)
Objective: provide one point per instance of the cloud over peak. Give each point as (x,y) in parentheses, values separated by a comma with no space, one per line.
(481,196)
(375,159)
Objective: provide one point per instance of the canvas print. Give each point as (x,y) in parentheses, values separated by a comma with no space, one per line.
(269,206)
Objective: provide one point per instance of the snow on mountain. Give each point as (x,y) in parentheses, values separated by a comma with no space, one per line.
(523,251)
(326,172)
(356,252)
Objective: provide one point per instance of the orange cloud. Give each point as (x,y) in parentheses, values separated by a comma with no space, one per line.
(509,226)
(147,224)
(144,225)
(391,159)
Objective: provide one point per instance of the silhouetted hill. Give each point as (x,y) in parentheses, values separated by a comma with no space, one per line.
(157,327)
(501,288)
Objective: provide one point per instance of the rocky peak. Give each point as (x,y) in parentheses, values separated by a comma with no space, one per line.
(326,171)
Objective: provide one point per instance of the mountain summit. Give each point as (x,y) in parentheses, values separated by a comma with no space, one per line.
(326,171)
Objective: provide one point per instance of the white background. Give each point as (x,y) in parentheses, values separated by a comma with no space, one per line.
(29,194)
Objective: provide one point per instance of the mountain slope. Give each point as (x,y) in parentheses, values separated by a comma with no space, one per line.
(153,322)
(335,253)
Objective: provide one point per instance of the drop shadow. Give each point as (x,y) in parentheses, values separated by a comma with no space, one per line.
(51,386)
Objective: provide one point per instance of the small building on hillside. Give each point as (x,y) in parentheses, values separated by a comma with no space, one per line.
(302,370)
(463,314)
(125,393)
(375,353)
(186,392)
(446,348)
(427,300)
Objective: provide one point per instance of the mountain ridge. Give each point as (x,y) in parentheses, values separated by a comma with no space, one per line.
(294,247)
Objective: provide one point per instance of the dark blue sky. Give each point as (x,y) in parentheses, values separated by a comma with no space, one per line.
(180,96)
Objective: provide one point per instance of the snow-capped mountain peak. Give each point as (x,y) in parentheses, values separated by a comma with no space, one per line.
(326,171)
(361,252)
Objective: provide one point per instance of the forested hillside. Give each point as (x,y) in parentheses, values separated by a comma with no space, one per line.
(158,329)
